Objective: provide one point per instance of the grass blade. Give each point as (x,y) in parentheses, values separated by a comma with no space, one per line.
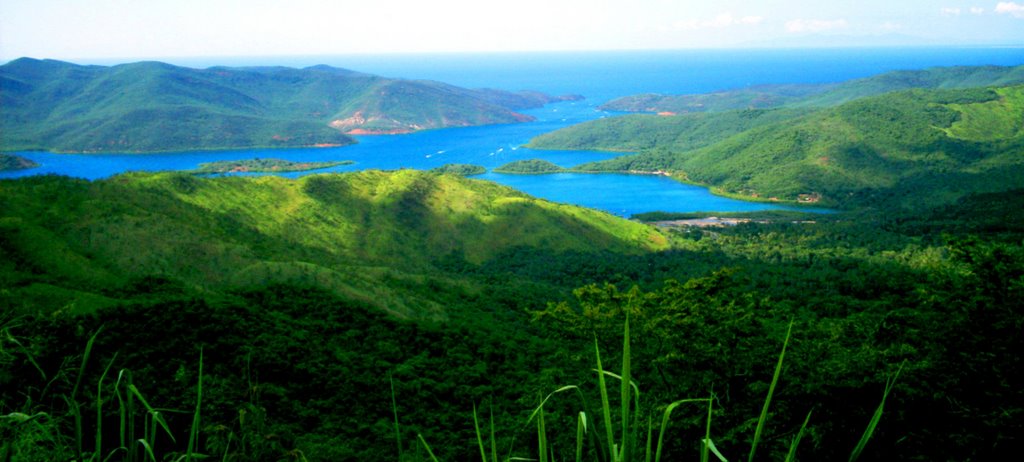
(85,359)
(494,443)
(427,447)
(870,430)
(28,355)
(152,412)
(479,437)
(636,388)
(664,423)
(122,409)
(149,449)
(533,415)
(768,399)
(581,430)
(114,452)
(542,436)
(99,409)
(791,456)
(394,410)
(626,443)
(546,398)
(605,408)
(707,432)
(75,408)
(193,434)
(711,446)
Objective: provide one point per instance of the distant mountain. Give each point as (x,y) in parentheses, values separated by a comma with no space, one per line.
(756,97)
(152,106)
(639,132)
(910,148)
(817,95)
(933,78)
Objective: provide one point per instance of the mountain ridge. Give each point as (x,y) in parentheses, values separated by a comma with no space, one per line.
(820,94)
(152,106)
(910,147)
(340,232)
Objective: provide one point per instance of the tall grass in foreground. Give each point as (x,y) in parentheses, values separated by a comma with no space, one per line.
(626,446)
(612,443)
(135,415)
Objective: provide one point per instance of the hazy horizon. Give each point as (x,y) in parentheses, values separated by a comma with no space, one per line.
(87,31)
(305,60)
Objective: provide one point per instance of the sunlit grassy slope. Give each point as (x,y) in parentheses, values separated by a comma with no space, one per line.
(1000,118)
(353,233)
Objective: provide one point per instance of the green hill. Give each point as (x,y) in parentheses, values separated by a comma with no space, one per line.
(756,97)
(460,169)
(821,95)
(11,162)
(151,106)
(909,148)
(265,165)
(529,166)
(312,311)
(341,232)
(938,78)
(639,132)
(891,149)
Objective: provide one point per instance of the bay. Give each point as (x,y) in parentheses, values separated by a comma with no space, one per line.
(599,76)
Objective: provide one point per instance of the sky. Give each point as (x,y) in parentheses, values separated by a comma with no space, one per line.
(137,29)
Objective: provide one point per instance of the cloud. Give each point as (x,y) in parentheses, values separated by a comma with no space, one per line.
(977,10)
(950,11)
(718,22)
(1010,8)
(890,26)
(815,25)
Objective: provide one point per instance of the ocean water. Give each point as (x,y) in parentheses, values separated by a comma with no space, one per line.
(599,76)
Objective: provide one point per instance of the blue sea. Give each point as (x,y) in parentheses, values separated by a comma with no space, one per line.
(599,76)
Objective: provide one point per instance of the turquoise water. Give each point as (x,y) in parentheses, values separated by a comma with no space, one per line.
(598,76)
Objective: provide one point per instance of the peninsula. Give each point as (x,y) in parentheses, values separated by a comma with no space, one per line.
(10,162)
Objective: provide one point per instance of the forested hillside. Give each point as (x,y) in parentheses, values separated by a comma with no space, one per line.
(152,106)
(821,95)
(910,148)
(338,317)
(341,232)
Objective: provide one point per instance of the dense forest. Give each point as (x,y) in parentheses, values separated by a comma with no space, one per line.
(407,315)
(467,294)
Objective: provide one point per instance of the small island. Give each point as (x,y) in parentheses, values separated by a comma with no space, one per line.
(264,166)
(460,169)
(530,167)
(10,163)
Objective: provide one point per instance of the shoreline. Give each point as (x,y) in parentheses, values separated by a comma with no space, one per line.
(681,178)
(178,150)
